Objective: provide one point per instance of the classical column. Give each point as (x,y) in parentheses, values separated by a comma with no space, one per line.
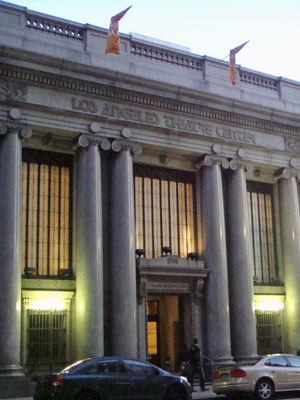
(10,252)
(290,240)
(123,261)
(89,257)
(217,329)
(240,276)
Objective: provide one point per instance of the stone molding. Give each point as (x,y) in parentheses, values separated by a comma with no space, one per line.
(170,274)
(12,90)
(235,164)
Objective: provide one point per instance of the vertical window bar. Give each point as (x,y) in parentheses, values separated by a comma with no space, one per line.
(152,219)
(161,217)
(178,219)
(27,218)
(267,238)
(38,220)
(59,217)
(143,199)
(170,218)
(49,221)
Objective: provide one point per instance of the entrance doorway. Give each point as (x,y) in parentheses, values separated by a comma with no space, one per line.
(166,329)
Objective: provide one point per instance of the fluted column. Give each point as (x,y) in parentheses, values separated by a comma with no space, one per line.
(10,252)
(290,239)
(217,329)
(123,274)
(89,256)
(240,276)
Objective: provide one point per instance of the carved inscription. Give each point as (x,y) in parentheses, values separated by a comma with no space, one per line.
(134,114)
(130,114)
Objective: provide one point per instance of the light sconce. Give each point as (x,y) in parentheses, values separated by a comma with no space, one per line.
(166,250)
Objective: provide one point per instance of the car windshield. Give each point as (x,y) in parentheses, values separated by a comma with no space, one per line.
(69,368)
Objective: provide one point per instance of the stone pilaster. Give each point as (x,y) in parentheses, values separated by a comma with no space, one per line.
(217,328)
(10,248)
(288,187)
(123,259)
(89,256)
(242,317)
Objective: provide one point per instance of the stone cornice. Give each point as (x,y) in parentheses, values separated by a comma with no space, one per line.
(13,87)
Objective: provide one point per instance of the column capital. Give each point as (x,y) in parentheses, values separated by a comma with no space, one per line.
(236,163)
(134,148)
(210,160)
(24,131)
(287,173)
(86,141)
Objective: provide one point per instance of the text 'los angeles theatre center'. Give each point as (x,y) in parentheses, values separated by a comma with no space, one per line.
(145,200)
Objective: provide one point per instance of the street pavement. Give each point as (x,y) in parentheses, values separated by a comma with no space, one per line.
(208,395)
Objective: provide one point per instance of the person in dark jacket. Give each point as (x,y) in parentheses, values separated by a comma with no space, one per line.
(195,364)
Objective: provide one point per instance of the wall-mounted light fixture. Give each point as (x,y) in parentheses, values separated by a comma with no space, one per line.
(166,250)
(140,252)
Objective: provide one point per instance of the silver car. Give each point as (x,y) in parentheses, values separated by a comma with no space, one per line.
(270,374)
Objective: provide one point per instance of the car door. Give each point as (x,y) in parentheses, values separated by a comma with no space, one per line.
(280,370)
(108,378)
(145,379)
(294,363)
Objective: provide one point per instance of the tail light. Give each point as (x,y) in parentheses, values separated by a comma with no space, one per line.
(217,375)
(58,382)
(238,373)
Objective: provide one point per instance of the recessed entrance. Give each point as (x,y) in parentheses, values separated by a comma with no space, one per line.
(166,320)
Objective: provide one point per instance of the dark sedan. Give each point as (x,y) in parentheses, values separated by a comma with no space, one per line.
(113,378)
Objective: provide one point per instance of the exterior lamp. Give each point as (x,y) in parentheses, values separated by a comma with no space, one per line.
(140,252)
(272,305)
(29,271)
(193,256)
(166,250)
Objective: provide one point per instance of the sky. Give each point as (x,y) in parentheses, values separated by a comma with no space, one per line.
(207,27)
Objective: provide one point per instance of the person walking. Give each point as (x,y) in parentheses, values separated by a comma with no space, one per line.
(195,364)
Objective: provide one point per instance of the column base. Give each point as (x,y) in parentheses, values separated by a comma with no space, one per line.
(16,387)
(11,371)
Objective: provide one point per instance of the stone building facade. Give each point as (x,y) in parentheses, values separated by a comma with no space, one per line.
(144,200)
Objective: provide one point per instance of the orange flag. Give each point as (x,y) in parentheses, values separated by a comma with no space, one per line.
(113,39)
(232,61)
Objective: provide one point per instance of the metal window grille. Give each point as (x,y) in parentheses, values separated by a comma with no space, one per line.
(46,337)
(164,211)
(268,329)
(262,229)
(46,213)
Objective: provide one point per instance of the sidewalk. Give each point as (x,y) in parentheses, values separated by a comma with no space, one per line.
(208,394)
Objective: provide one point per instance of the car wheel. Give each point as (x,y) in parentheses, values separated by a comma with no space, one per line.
(86,395)
(264,389)
(176,393)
